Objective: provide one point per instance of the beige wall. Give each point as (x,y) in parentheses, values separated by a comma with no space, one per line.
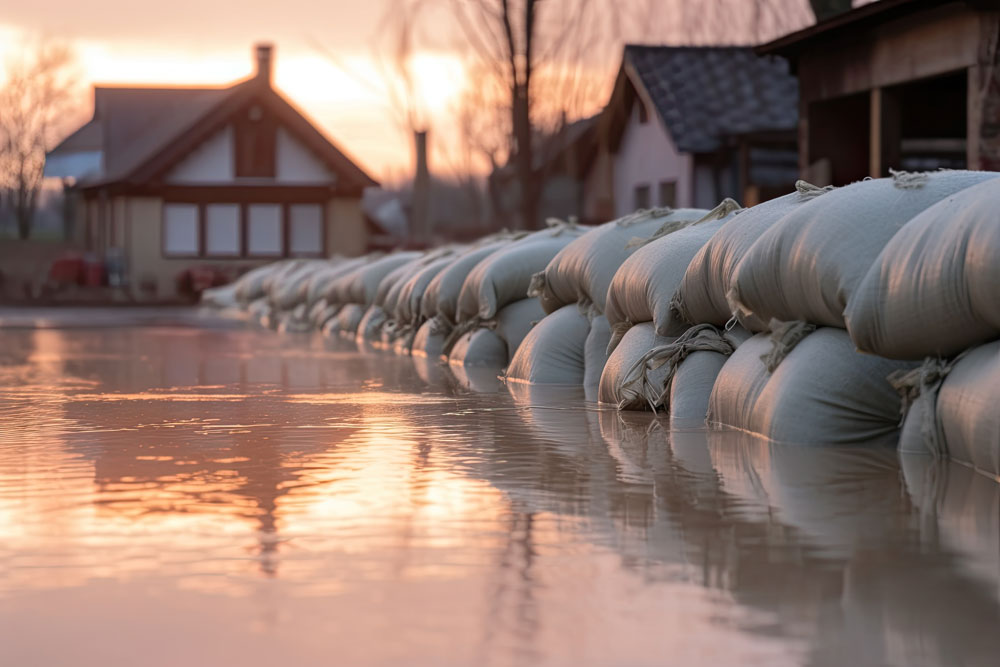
(346,235)
(346,232)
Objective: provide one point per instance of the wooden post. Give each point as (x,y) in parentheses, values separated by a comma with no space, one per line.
(884,133)
(973,116)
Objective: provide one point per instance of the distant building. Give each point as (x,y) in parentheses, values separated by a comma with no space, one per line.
(170,179)
(689,126)
(903,84)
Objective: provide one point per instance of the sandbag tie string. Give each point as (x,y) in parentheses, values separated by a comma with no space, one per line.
(925,382)
(784,337)
(636,384)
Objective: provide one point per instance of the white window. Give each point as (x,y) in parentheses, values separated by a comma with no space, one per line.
(264,229)
(306,229)
(222,229)
(180,229)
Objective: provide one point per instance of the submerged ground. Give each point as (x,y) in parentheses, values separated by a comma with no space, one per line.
(203,495)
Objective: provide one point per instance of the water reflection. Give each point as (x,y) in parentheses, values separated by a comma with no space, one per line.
(258,498)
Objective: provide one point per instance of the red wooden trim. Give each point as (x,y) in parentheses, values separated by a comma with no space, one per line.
(243,230)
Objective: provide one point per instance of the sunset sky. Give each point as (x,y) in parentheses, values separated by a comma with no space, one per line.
(209,42)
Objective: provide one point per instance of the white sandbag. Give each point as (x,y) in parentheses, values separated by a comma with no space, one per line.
(259,311)
(369,325)
(933,288)
(595,354)
(822,392)
(504,276)
(220,297)
(441,295)
(360,286)
(250,286)
(582,271)
(952,408)
(808,264)
(515,320)
(635,343)
(347,320)
(294,321)
(479,347)
(428,341)
(323,280)
(678,377)
(701,297)
(644,286)
(411,295)
(292,289)
(553,351)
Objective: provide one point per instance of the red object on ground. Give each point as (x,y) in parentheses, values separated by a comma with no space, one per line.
(67,270)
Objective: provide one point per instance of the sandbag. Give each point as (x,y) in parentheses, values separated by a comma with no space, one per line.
(441,295)
(952,408)
(933,288)
(220,297)
(347,319)
(510,326)
(635,343)
(701,297)
(595,354)
(479,347)
(515,320)
(411,295)
(553,351)
(324,277)
(822,392)
(428,341)
(582,271)
(678,377)
(504,276)
(292,289)
(360,285)
(809,263)
(644,286)
(250,286)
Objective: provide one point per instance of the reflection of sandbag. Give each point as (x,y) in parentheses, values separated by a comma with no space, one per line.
(553,351)
(582,271)
(638,443)
(822,392)
(933,289)
(480,378)
(808,264)
(504,276)
(643,288)
(636,342)
(701,297)
(953,408)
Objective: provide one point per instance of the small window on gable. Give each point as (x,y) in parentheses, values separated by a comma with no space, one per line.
(643,113)
(641,197)
(255,140)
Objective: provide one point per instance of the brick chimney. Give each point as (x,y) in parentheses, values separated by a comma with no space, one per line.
(263,52)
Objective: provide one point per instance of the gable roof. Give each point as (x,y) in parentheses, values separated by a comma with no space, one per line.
(142,131)
(705,93)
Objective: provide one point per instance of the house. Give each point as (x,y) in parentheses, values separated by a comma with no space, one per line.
(167,180)
(689,126)
(902,84)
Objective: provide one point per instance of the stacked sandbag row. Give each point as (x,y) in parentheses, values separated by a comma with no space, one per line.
(803,379)
(677,375)
(932,294)
(650,344)
(569,346)
(493,312)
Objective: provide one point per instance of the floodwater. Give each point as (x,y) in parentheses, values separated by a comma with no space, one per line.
(186,496)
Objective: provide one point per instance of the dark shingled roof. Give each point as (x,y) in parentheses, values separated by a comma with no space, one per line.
(705,93)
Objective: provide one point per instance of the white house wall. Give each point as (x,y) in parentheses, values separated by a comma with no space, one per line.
(647,156)
(296,164)
(211,162)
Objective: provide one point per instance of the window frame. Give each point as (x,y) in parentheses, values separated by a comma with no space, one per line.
(673,185)
(647,190)
(244,253)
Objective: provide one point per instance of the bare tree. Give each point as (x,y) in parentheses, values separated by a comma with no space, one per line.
(34,100)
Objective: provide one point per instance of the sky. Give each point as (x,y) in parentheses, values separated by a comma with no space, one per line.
(325,57)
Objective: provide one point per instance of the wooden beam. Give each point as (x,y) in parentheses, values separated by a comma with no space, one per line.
(884,132)
(973,116)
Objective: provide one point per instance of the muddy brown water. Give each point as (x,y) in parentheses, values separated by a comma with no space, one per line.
(198,496)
